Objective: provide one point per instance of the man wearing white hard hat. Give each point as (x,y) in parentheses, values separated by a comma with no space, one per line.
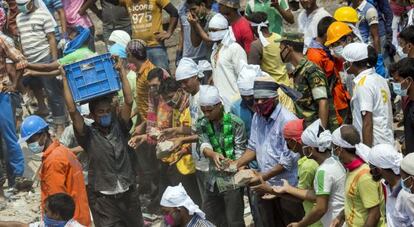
(405,204)
(384,161)
(222,139)
(180,210)
(370,103)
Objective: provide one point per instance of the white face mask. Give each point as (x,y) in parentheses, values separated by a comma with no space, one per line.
(337,51)
(401,53)
(217,35)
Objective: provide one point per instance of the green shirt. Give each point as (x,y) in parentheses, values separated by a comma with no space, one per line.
(78,55)
(310,80)
(306,173)
(273,16)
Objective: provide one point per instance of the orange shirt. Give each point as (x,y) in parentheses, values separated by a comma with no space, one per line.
(62,173)
(331,68)
(142,89)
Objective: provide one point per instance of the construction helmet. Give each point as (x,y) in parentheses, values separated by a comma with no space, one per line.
(346,14)
(32,125)
(336,31)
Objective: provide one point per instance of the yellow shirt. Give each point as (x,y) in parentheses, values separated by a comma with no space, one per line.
(272,64)
(146,18)
(142,89)
(362,193)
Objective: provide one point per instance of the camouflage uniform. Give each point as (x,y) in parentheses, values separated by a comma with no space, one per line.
(308,76)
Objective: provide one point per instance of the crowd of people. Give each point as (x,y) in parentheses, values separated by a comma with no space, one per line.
(301,123)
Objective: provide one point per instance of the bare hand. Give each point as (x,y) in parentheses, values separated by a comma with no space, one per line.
(337,222)
(135,141)
(62,72)
(178,142)
(275,3)
(293,224)
(161,36)
(263,188)
(27,72)
(257,179)
(284,188)
(168,133)
(217,158)
(8,88)
(22,64)
(192,19)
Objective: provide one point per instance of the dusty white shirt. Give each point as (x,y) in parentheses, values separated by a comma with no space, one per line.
(227,62)
(308,24)
(404,209)
(372,94)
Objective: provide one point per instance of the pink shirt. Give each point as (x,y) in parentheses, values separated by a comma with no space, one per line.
(73,18)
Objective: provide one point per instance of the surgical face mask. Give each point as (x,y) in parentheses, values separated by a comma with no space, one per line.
(397,88)
(53,223)
(105,120)
(35,147)
(217,35)
(401,53)
(23,8)
(337,51)
(403,186)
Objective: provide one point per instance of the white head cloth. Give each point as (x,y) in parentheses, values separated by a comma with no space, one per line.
(209,95)
(225,33)
(187,68)
(177,197)
(262,39)
(385,156)
(407,164)
(245,81)
(362,150)
(354,52)
(310,137)
(41,5)
(120,37)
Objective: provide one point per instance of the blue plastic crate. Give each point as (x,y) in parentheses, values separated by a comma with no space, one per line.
(92,78)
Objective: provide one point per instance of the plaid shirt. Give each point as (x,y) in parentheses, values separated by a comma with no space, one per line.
(7,51)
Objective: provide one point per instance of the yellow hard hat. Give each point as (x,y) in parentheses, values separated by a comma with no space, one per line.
(336,31)
(346,14)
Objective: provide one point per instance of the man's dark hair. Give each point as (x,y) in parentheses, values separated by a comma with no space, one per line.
(407,34)
(393,68)
(257,17)
(95,102)
(297,46)
(169,85)
(369,62)
(155,72)
(196,2)
(406,68)
(61,204)
(324,24)
(351,135)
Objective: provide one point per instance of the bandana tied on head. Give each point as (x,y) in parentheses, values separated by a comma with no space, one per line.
(209,95)
(137,48)
(176,196)
(120,37)
(407,164)
(293,130)
(259,26)
(118,50)
(317,137)
(385,156)
(83,35)
(3,18)
(362,150)
(225,33)
(265,87)
(187,68)
(246,78)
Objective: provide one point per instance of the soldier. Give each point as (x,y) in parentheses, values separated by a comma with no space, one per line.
(316,101)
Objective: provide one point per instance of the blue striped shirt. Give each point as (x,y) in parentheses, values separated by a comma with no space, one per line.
(266,139)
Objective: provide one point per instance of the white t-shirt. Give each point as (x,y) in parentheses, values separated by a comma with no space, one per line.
(330,180)
(201,162)
(372,94)
(227,63)
(308,24)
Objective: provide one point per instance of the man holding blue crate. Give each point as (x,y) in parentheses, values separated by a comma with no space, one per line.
(112,192)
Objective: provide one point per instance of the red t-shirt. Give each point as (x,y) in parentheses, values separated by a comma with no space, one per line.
(243,33)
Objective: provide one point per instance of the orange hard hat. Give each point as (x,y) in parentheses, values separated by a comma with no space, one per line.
(336,31)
